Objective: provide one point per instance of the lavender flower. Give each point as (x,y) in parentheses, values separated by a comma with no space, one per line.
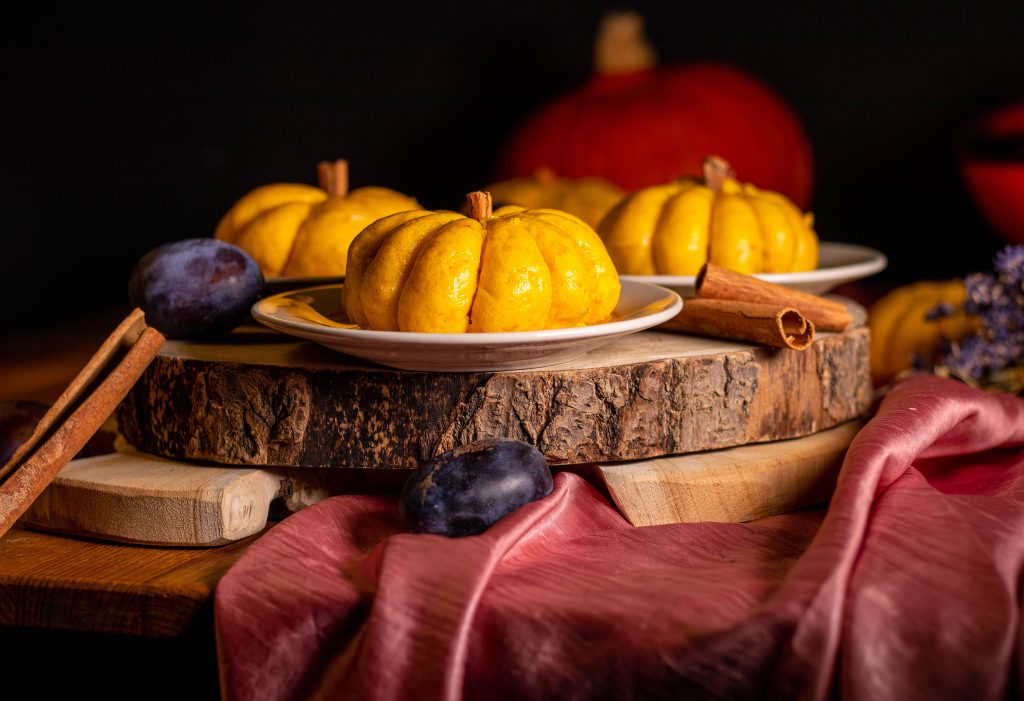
(968,358)
(982,288)
(996,351)
(1009,266)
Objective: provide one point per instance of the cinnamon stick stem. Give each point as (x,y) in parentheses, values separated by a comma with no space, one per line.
(767,324)
(480,205)
(622,45)
(716,170)
(715,282)
(333,177)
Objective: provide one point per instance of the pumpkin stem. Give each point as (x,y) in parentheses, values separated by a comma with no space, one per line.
(480,205)
(545,176)
(716,170)
(622,46)
(333,177)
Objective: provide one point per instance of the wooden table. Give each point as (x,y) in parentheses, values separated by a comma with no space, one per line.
(60,582)
(112,619)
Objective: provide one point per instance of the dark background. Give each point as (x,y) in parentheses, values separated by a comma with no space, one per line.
(129,128)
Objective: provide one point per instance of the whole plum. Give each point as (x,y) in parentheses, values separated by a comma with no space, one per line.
(195,288)
(18,418)
(465,490)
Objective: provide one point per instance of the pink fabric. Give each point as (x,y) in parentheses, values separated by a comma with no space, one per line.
(907,587)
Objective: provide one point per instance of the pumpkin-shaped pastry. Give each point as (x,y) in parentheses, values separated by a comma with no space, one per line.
(902,328)
(588,198)
(297,230)
(514,270)
(673,229)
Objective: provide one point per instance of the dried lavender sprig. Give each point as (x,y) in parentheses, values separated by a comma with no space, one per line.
(1008,265)
(997,299)
(981,288)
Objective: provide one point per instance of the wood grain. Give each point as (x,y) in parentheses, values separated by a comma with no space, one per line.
(51,581)
(261,399)
(138,498)
(731,485)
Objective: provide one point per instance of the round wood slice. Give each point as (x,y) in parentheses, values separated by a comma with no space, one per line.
(262,398)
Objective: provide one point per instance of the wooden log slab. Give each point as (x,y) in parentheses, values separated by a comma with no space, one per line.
(261,398)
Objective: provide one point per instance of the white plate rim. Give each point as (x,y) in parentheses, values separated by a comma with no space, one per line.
(670,300)
(873,261)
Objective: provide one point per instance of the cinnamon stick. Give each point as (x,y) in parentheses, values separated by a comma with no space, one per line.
(716,170)
(781,327)
(333,177)
(715,282)
(480,205)
(77,414)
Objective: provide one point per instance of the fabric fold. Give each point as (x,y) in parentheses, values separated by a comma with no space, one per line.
(905,586)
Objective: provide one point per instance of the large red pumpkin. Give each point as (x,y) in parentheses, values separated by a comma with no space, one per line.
(992,165)
(639,125)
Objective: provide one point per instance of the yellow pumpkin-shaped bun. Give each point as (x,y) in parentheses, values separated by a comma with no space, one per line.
(296,230)
(514,270)
(673,229)
(588,198)
(900,328)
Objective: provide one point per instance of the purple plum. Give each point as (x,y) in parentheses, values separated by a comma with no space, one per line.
(18,418)
(465,490)
(195,288)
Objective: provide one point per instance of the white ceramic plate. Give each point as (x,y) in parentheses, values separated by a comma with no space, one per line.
(314,314)
(838,263)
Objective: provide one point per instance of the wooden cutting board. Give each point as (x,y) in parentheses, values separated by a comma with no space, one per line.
(139,498)
(133,497)
(731,485)
(260,398)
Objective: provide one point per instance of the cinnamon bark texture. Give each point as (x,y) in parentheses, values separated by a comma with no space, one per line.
(333,177)
(480,205)
(716,170)
(77,414)
(768,324)
(715,282)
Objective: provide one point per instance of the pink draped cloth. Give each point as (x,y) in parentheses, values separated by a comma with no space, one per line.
(908,586)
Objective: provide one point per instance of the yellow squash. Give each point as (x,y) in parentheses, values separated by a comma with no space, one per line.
(514,270)
(673,229)
(297,230)
(588,198)
(900,328)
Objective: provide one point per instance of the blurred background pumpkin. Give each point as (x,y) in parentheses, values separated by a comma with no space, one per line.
(906,331)
(991,156)
(638,124)
(588,198)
